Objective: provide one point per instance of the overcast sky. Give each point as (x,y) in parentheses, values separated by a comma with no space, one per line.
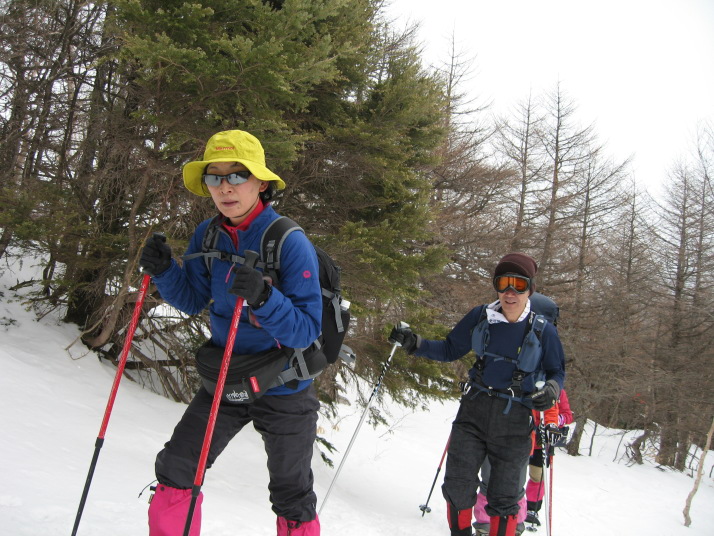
(641,70)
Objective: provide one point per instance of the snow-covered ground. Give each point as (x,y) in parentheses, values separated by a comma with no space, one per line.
(53,395)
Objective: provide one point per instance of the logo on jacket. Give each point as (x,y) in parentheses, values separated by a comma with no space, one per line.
(233,396)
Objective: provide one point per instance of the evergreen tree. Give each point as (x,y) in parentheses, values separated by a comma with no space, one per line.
(345,111)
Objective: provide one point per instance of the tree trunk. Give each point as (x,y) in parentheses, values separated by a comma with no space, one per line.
(573,447)
(636,446)
(698,479)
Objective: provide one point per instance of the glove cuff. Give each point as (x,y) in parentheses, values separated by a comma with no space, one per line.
(263,297)
(410,349)
(556,388)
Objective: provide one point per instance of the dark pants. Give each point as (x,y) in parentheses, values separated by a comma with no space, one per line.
(480,431)
(287,425)
(486,473)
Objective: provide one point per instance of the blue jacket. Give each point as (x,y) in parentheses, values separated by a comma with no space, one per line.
(505,340)
(290,317)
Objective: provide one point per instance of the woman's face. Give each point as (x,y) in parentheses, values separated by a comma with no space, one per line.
(235,202)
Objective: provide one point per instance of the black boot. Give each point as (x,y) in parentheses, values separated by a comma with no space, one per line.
(533,509)
(532,518)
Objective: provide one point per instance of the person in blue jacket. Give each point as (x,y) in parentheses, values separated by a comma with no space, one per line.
(494,417)
(234,174)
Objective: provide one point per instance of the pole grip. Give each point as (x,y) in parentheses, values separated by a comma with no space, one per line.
(251,258)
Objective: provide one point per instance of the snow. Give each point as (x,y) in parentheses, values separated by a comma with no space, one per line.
(54,394)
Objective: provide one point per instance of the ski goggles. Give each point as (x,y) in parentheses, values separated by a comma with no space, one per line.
(518,283)
(239,177)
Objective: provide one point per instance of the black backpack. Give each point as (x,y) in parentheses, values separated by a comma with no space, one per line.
(543,305)
(306,362)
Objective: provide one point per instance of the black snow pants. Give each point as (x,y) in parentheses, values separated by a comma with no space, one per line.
(481,430)
(287,424)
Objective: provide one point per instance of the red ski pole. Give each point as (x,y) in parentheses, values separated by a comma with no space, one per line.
(250,259)
(425,508)
(110,403)
(550,497)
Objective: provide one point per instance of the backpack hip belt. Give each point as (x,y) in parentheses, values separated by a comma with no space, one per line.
(509,393)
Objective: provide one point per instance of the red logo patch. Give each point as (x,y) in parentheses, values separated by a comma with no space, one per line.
(306,274)
(254,384)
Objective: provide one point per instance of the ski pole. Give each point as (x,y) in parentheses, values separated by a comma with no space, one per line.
(385,367)
(425,509)
(544,479)
(250,259)
(110,403)
(550,497)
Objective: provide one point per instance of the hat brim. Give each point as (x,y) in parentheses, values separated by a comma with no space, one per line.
(193,174)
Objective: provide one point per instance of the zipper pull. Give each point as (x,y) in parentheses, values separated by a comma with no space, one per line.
(228,275)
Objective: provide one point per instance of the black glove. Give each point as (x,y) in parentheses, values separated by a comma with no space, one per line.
(546,397)
(406,337)
(248,283)
(561,440)
(553,433)
(156,255)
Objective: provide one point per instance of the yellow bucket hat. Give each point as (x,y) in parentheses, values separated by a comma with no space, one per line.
(229,146)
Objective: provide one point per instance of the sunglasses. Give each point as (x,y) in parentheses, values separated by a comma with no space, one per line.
(239,177)
(518,283)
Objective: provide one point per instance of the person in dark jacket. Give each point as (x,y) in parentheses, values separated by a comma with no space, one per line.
(545,306)
(494,418)
(233,173)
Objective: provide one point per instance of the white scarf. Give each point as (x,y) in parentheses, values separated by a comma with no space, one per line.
(494,314)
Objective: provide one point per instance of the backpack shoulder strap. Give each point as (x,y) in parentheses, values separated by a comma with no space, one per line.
(480,334)
(271,245)
(538,323)
(208,244)
(529,354)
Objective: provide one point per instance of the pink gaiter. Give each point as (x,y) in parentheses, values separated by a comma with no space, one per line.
(480,514)
(482,517)
(535,491)
(294,528)
(168,511)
